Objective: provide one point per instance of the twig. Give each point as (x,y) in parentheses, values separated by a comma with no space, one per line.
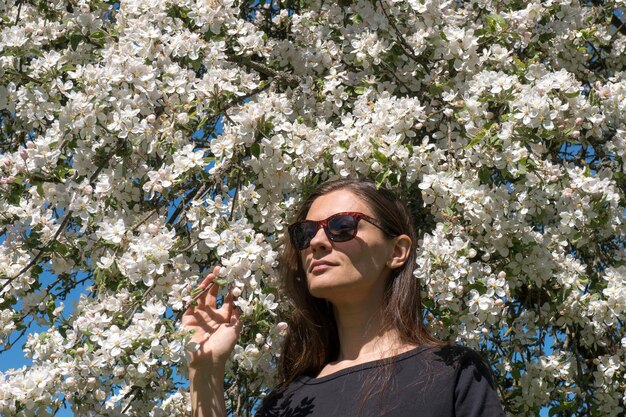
(10,344)
(394,75)
(131,393)
(234,203)
(597,53)
(402,43)
(183,205)
(180,314)
(618,29)
(191,245)
(41,251)
(135,305)
(283,77)
(19,11)
(142,221)
(62,226)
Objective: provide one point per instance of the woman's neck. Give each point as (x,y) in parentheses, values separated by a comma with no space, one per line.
(361,334)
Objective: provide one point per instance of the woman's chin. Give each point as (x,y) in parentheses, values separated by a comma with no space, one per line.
(330,289)
(322,288)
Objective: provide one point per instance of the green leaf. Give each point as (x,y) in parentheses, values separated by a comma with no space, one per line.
(519,64)
(480,135)
(436,88)
(98,36)
(478,286)
(495,20)
(382,177)
(60,248)
(428,303)
(546,37)
(196,64)
(50,310)
(380,157)
(484,175)
(220,281)
(202,122)
(169,324)
(255,150)
(263,324)
(75,40)
(36,52)
(356,19)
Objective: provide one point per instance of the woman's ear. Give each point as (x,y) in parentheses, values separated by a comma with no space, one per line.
(400,252)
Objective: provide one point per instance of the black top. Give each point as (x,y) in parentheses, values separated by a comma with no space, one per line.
(424,382)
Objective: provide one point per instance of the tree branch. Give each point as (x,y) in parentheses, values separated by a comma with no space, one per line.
(19,11)
(61,227)
(281,77)
(33,261)
(183,204)
(401,42)
(180,314)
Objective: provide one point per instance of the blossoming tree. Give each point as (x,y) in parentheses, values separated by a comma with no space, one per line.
(143,142)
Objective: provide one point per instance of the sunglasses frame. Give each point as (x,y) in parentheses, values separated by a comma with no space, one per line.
(324,224)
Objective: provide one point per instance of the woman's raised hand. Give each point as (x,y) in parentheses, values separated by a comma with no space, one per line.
(215,329)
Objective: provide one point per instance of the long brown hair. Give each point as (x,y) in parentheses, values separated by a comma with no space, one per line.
(312,340)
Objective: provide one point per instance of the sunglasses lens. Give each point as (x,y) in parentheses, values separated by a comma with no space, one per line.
(302,233)
(342,228)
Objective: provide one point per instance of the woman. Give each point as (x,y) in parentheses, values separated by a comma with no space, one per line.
(356,344)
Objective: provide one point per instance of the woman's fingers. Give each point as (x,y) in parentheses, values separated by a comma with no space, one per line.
(227,306)
(210,277)
(237,314)
(207,304)
(234,320)
(209,297)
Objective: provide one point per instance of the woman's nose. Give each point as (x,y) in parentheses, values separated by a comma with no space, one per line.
(320,241)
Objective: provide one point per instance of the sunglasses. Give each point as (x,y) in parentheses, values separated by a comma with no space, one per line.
(339,227)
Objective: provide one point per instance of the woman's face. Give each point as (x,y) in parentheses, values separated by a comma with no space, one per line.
(352,271)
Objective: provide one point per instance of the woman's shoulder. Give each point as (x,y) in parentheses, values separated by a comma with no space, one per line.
(454,355)
(467,365)
(452,359)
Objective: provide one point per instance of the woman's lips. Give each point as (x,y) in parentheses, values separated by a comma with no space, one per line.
(320,266)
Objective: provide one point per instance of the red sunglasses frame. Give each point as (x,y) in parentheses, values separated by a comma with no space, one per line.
(324,224)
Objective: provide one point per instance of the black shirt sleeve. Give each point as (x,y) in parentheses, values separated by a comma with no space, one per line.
(475,393)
